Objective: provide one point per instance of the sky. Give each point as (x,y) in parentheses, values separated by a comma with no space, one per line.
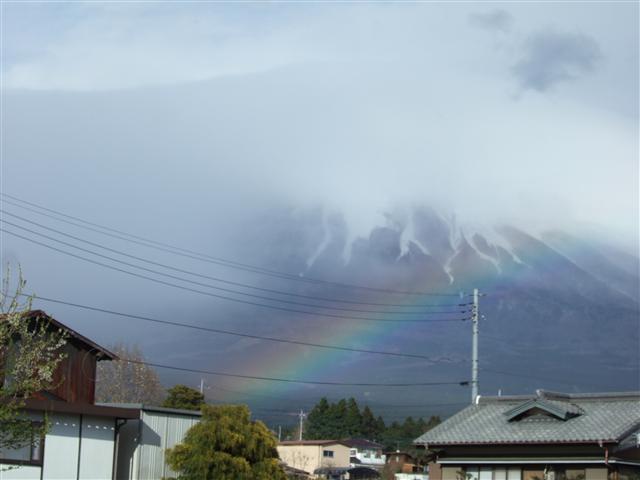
(188,122)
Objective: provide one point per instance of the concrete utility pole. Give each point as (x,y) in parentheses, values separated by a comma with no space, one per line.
(202,386)
(301,415)
(474,347)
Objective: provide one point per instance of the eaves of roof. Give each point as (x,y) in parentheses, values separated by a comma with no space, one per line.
(57,406)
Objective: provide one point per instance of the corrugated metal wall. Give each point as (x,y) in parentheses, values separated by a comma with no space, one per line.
(158,431)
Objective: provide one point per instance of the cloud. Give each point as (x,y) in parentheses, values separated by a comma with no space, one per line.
(496,20)
(550,57)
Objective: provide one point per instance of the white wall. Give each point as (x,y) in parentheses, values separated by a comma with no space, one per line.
(371,459)
(64,447)
(19,473)
(96,449)
(61,447)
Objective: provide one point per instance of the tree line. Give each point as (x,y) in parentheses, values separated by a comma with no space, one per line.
(345,419)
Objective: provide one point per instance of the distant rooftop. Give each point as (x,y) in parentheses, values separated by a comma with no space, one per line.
(546,417)
(361,443)
(311,442)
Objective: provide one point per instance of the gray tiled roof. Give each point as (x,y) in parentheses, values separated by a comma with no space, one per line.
(602,417)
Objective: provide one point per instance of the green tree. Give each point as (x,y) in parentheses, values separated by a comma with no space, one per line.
(226,445)
(352,425)
(186,398)
(380,426)
(317,424)
(30,353)
(337,415)
(369,424)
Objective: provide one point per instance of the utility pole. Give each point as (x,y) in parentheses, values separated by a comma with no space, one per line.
(279,433)
(474,347)
(301,416)
(202,386)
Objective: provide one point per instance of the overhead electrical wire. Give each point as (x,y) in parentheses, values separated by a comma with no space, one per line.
(524,375)
(311,402)
(216,279)
(236,334)
(201,256)
(214,295)
(462,383)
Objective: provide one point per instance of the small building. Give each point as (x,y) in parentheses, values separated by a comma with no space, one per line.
(143,441)
(405,466)
(547,436)
(314,455)
(81,441)
(365,453)
(89,441)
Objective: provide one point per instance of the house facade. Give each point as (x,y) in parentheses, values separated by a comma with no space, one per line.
(81,440)
(547,436)
(365,453)
(405,467)
(313,456)
(88,441)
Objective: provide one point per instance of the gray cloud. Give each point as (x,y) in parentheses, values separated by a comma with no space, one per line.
(550,57)
(497,20)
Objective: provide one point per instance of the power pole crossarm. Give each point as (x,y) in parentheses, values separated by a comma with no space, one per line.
(474,347)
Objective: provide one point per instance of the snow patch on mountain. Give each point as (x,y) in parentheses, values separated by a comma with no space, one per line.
(326,240)
(408,236)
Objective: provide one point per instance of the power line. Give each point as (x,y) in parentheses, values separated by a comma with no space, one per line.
(462,383)
(201,256)
(236,334)
(524,375)
(214,295)
(311,402)
(217,279)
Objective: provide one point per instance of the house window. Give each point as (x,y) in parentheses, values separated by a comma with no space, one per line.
(30,454)
(327,453)
(353,452)
(491,473)
(570,474)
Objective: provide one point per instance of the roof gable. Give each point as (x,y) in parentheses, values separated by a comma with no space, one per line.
(540,408)
(100,352)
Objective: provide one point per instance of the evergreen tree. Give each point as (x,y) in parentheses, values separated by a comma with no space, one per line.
(337,415)
(183,397)
(317,425)
(352,426)
(369,424)
(408,429)
(226,445)
(380,427)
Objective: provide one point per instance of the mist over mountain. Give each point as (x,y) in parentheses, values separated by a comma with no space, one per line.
(557,306)
(424,147)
